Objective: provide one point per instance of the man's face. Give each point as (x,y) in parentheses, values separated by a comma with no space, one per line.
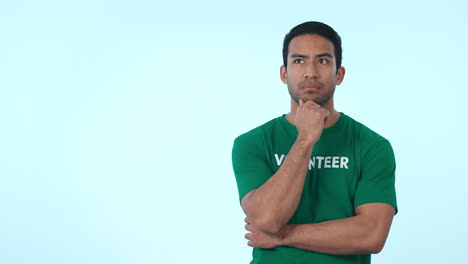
(311,73)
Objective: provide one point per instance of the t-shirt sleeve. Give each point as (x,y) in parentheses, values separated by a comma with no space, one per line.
(250,164)
(377,181)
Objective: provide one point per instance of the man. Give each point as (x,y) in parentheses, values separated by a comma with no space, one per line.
(316,186)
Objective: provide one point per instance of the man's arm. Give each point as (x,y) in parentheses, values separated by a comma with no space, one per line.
(270,206)
(361,234)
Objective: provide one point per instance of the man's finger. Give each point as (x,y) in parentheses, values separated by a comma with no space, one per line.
(248,227)
(247,220)
(310,102)
(248,236)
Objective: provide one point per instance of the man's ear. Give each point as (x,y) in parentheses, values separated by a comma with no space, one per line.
(340,73)
(283,74)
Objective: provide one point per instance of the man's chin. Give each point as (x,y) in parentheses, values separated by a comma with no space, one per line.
(309,98)
(318,101)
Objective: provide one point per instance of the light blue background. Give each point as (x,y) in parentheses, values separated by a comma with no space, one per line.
(117,120)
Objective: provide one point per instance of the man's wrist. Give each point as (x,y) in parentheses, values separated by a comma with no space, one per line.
(305,140)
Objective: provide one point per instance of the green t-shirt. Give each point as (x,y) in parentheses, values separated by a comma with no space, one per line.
(350,165)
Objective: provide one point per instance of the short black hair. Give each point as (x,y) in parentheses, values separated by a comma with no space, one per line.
(314,27)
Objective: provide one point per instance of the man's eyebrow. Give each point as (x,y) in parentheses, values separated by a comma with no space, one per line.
(326,54)
(296,55)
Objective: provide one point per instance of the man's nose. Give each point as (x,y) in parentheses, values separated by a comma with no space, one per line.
(311,71)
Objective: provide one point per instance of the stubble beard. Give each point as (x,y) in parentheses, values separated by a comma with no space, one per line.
(321,100)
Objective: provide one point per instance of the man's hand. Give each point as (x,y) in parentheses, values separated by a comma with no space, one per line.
(310,120)
(260,239)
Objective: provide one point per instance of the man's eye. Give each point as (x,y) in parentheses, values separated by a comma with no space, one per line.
(322,61)
(297,61)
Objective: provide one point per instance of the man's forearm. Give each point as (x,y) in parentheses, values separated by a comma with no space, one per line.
(273,204)
(338,237)
(361,234)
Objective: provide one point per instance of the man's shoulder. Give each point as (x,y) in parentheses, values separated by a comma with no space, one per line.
(364,132)
(260,131)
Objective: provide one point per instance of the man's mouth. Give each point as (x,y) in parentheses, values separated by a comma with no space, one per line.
(310,87)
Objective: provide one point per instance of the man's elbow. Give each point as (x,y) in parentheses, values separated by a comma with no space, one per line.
(268,226)
(264,221)
(375,246)
(376,249)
